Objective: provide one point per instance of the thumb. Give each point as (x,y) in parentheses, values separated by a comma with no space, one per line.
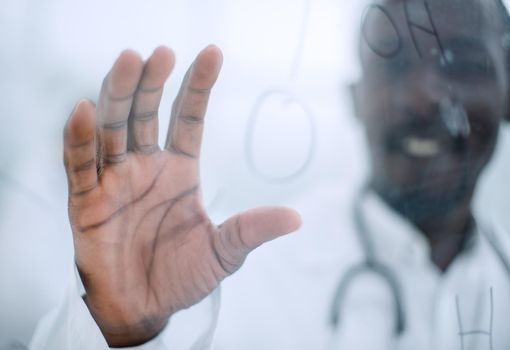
(244,232)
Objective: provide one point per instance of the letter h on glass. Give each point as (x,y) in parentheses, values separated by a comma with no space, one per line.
(465,333)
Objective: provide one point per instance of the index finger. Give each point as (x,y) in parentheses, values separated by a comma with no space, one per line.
(187,120)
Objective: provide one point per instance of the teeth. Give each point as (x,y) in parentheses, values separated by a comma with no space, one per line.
(421,147)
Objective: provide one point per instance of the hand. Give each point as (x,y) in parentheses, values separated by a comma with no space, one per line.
(145,247)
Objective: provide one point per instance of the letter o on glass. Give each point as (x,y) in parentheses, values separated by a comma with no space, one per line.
(288,100)
(372,10)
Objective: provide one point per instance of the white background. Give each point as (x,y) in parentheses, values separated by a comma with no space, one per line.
(54,52)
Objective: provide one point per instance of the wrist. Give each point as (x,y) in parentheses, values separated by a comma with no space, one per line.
(128,334)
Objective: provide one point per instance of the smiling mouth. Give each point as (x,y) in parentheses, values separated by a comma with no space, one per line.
(420,147)
(424,142)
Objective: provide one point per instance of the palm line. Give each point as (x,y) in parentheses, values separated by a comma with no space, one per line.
(171,203)
(124,207)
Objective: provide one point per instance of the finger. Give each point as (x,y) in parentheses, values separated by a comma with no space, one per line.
(80,149)
(244,232)
(143,120)
(186,126)
(115,104)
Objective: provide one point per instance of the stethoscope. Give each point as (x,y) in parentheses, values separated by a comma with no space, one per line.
(371,264)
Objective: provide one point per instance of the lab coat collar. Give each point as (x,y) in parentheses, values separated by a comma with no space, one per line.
(397,240)
(394,237)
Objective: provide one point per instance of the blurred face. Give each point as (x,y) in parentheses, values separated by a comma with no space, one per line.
(433,92)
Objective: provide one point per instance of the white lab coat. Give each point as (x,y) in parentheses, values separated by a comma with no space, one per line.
(35,249)
(282,297)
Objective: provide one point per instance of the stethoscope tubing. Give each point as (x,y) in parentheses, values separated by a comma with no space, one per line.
(370,264)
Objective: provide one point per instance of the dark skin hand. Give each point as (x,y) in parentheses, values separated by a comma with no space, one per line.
(145,247)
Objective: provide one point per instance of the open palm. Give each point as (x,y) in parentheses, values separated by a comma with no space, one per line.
(145,247)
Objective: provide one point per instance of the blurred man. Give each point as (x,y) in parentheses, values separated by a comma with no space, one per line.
(410,269)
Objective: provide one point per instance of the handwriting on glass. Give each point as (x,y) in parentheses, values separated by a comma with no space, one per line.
(465,333)
(412,26)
